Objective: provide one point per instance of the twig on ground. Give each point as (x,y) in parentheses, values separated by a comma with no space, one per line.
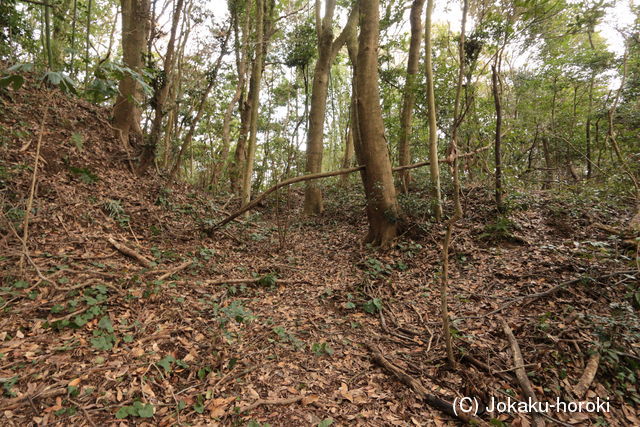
(18,401)
(251,280)
(230,376)
(85,412)
(178,269)
(260,402)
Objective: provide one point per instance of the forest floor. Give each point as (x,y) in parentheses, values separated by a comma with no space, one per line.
(267,320)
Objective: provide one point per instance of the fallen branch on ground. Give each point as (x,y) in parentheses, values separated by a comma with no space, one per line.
(309,177)
(142,260)
(521,373)
(260,402)
(504,375)
(178,269)
(587,377)
(16,402)
(251,280)
(431,400)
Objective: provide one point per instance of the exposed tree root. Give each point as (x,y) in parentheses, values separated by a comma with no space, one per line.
(431,400)
(587,377)
(521,374)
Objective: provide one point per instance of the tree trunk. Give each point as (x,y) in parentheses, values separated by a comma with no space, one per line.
(433,126)
(254,101)
(588,126)
(370,142)
(409,95)
(212,76)
(163,83)
(348,153)
(457,117)
(327,51)
(236,165)
(495,86)
(135,31)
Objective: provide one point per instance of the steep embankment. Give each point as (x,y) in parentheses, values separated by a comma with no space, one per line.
(266,321)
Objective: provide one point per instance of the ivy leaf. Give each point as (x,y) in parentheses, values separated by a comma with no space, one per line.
(123,412)
(146,411)
(166,363)
(105,323)
(102,343)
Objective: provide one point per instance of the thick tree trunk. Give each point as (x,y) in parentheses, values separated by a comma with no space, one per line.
(370,142)
(135,31)
(319,89)
(226,137)
(433,126)
(254,102)
(409,95)
(236,165)
(327,51)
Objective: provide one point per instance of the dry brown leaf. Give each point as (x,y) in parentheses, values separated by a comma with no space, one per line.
(344,392)
(312,398)
(217,407)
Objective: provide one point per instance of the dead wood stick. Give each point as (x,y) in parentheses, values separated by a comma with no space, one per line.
(231,376)
(521,373)
(587,377)
(18,401)
(260,402)
(255,202)
(32,190)
(130,252)
(431,400)
(480,364)
(178,269)
(251,280)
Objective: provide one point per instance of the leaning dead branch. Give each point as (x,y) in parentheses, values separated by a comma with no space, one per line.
(32,191)
(255,202)
(521,373)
